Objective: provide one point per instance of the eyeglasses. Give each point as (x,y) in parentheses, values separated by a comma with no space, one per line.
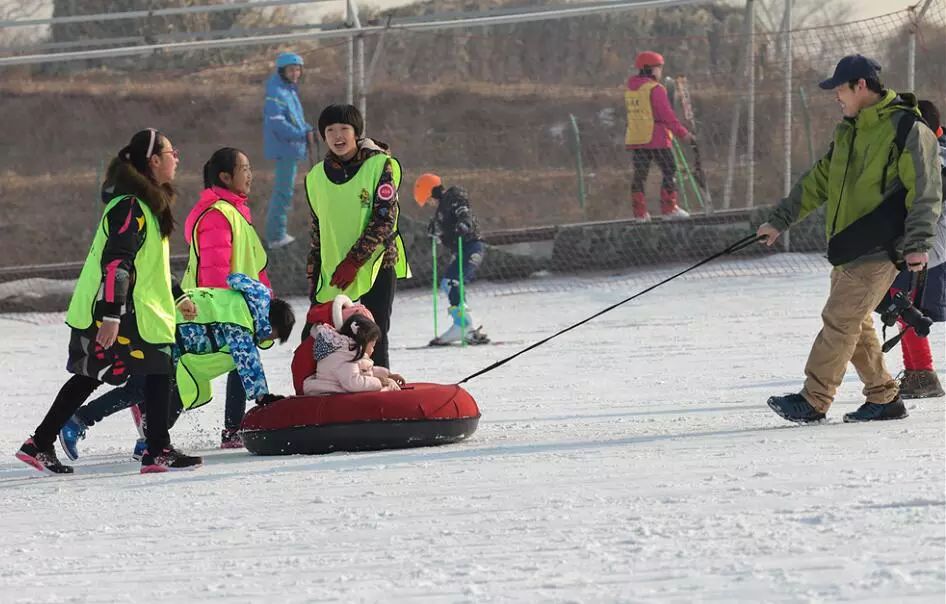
(174,153)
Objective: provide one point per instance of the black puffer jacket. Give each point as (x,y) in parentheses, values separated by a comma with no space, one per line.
(454,219)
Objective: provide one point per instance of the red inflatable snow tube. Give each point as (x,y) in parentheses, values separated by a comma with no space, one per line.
(419,415)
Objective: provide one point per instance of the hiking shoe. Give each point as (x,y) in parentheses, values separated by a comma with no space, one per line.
(920,384)
(231,439)
(872,412)
(70,435)
(141,445)
(795,408)
(168,459)
(44,461)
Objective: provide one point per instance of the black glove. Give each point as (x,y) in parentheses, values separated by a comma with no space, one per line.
(269,398)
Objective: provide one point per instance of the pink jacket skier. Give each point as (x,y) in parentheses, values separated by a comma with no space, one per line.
(651,125)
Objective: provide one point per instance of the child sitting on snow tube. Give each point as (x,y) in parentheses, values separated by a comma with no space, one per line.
(343,362)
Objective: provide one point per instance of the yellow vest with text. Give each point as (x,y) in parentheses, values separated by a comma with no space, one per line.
(344,211)
(640,115)
(151,294)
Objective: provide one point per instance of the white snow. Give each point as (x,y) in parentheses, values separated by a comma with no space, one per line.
(632,460)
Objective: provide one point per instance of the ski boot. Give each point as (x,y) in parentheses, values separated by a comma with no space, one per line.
(669,207)
(477,336)
(639,203)
(460,324)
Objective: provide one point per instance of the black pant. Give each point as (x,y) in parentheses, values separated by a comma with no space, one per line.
(127,395)
(78,389)
(380,301)
(473,253)
(235,408)
(133,393)
(664,159)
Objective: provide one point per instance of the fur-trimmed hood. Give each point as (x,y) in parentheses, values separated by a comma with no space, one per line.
(122,178)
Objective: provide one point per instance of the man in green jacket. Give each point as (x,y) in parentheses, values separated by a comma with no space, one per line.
(880,182)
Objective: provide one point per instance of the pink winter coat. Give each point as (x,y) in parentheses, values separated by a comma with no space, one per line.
(214,237)
(665,120)
(336,372)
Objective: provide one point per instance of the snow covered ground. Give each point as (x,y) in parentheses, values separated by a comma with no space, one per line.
(633,460)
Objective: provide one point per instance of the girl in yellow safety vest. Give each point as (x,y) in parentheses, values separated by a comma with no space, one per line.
(223,241)
(122,312)
(356,248)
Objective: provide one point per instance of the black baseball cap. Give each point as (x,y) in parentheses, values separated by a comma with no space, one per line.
(852,67)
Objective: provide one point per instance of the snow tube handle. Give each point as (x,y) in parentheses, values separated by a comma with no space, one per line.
(343,308)
(340,303)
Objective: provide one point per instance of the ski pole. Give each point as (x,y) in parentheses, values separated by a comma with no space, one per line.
(707,199)
(436,292)
(732,249)
(462,292)
(677,153)
(689,173)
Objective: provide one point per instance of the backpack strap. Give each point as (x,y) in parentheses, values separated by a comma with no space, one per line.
(904,126)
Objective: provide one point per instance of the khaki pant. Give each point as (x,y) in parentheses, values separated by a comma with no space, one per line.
(848,334)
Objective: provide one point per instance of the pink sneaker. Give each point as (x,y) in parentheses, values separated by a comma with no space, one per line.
(231,439)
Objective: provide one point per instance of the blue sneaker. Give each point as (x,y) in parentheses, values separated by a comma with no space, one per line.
(72,433)
(141,445)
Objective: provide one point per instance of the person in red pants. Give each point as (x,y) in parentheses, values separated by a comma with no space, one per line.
(919,376)
(651,126)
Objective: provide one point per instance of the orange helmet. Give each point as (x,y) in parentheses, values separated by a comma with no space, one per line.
(424,187)
(648,58)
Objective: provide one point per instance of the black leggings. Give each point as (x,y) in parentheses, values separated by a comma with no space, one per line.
(664,159)
(78,389)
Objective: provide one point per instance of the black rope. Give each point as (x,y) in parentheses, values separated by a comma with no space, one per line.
(739,245)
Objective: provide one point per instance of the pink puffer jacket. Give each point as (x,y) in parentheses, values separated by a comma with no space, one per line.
(214,237)
(336,372)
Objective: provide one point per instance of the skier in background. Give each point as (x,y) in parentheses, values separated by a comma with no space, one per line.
(453,221)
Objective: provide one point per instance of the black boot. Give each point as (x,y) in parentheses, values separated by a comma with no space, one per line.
(872,412)
(795,408)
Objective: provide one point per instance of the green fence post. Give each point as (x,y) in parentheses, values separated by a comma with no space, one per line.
(807,118)
(579,167)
